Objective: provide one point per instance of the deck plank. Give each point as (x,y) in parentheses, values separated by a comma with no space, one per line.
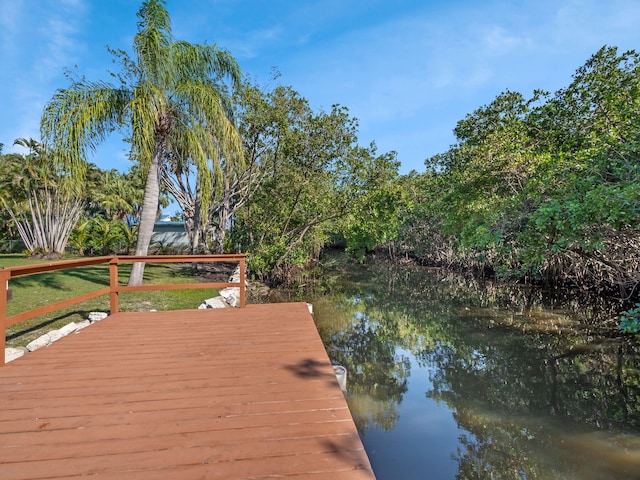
(233,393)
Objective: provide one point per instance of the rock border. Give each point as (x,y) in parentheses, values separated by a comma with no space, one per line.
(228,297)
(48,338)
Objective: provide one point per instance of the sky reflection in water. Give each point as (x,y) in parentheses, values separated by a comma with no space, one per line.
(424,429)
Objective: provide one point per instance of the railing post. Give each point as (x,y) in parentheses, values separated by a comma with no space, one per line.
(4,288)
(113,284)
(242,282)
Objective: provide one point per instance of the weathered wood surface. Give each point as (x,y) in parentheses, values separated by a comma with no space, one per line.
(235,393)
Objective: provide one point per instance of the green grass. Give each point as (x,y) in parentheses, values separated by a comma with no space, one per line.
(43,289)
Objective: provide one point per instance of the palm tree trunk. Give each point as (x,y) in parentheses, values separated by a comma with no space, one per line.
(197,220)
(148,215)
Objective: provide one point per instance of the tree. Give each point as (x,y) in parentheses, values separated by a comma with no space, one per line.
(229,192)
(170,99)
(546,188)
(306,183)
(376,197)
(118,196)
(303,190)
(35,192)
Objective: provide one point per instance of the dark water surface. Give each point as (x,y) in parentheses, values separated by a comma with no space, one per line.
(452,379)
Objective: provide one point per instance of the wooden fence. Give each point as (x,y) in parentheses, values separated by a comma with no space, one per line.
(113,289)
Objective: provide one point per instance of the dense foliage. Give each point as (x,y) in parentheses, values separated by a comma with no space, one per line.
(544,189)
(310,183)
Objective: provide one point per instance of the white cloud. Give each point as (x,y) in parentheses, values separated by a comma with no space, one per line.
(61,37)
(39,41)
(253,44)
(498,41)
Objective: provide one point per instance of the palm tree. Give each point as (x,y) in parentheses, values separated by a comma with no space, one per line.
(170,98)
(117,196)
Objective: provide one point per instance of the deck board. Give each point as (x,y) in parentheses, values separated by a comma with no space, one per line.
(233,393)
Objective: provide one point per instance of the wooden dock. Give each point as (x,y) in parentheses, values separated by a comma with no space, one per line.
(211,394)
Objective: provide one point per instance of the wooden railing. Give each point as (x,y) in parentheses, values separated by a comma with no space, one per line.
(113,289)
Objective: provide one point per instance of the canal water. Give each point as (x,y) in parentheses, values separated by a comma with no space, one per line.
(452,378)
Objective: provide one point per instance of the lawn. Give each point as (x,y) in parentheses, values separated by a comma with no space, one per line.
(42,289)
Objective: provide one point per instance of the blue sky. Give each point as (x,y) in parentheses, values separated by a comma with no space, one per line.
(407,69)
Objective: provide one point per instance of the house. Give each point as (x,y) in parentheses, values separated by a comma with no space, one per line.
(167,233)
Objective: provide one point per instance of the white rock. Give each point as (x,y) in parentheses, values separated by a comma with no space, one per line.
(52,336)
(68,329)
(55,335)
(10,354)
(215,302)
(231,295)
(97,316)
(235,276)
(82,324)
(39,342)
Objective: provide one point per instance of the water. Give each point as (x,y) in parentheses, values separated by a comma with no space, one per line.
(449,378)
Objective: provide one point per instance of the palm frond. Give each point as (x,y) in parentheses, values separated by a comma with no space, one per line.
(204,62)
(152,43)
(77,119)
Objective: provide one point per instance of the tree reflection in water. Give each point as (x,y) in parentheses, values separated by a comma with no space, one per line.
(363,342)
(533,381)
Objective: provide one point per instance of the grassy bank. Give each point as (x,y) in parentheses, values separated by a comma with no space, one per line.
(46,288)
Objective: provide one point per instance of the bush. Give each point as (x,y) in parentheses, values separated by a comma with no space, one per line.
(630,321)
